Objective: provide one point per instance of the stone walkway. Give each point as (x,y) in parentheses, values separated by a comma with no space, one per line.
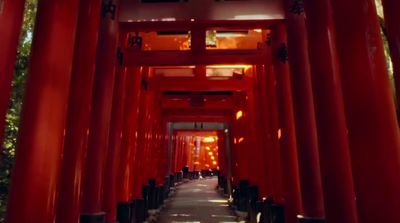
(197,202)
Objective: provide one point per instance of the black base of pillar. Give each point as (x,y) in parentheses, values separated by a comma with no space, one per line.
(124,212)
(172,180)
(311,220)
(93,218)
(139,211)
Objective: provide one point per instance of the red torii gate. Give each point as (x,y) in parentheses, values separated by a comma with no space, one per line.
(361,115)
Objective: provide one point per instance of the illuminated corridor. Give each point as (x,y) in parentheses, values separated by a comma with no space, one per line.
(290,102)
(198,202)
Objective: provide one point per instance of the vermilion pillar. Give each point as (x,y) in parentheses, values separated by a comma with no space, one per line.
(80,99)
(222,159)
(287,133)
(173,153)
(11,13)
(100,118)
(264,120)
(114,146)
(257,163)
(392,17)
(142,159)
(129,135)
(272,127)
(306,131)
(35,175)
(370,113)
(161,162)
(337,179)
(241,139)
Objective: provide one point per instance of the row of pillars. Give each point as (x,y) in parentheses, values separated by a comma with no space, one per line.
(330,142)
(345,129)
(77,156)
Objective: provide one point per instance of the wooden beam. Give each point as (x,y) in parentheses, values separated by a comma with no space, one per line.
(185,58)
(183,84)
(190,25)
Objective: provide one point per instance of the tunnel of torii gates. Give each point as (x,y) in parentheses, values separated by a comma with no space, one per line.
(295,94)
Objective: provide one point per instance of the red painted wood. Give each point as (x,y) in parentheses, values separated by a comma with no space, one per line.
(129,135)
(187,58)
(272,126)
(257,151)
(142,165)
(268,167)
(138,166)
(370,112)
(222,159)
(288,143)
(307,143)
(111,185)
(173,154)
(392,17)
(240,144)
(199,24)
(162,145)
(10,23)
(35,178)
(337,178)
(182,84)
(100,117)
(80,98)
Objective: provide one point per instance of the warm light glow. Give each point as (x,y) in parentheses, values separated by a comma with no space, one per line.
(210,153)
(215,162)
(221,201)
(209,139)
(241,139)
(234,66)
(213,158)
(253,17)
(257,30)
(239,115)
(207,148)
(279,133)
(168,19)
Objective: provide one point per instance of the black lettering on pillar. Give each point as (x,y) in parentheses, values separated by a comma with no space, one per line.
(108,8)
(134,40)
(268,40)
(297,7)
(144,84)
(120,56)
(283,53)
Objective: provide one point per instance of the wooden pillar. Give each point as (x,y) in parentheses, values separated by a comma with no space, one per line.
(139,162)
(272,134)
(35,178)
(142,164)
(76,136)
(11,15)
(337,179)
(392,17)
(241,138)
(265,140)
(129,135)
(114,147)
(370,112)
(287,132)
(306,130)
(100,116)
(257,159)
